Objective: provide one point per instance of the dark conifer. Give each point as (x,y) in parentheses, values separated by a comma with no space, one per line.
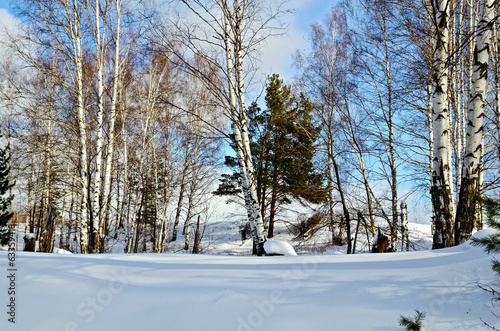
(5,197)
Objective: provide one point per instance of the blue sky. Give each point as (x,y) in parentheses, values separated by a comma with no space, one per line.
(277,55)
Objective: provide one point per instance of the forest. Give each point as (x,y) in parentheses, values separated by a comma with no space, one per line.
(122,120)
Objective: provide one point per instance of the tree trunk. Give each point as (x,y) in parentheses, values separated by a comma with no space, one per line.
(336,238)
(259,237)
(82,124)
(471,186)
(94,245)
(405,239)
(344,207)
(441,189)
(196,244)
(112,119)
(240,129)
(182,188)
(274,198)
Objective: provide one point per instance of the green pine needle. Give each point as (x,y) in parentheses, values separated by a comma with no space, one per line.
(412,323)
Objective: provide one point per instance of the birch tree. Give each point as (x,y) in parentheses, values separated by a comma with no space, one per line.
(100,53)
(233,39)
(324,74)
(378,96)
(441,187)
(230,30)
(471,186)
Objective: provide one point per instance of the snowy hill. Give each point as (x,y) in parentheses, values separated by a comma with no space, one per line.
(217,293)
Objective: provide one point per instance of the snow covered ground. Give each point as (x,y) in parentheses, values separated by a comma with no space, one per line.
(216,293)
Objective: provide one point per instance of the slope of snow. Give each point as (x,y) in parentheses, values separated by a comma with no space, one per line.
(216,293)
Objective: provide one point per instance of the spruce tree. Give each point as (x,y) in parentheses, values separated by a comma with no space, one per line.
(5,197)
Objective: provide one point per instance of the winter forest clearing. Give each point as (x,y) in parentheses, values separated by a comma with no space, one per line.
(232,128)
(219,293)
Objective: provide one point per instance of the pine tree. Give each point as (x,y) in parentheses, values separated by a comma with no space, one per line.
(490,243)
(414,323)
(283,145)
(5,197)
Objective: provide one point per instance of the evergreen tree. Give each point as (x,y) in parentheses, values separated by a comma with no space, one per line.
(490,243)
(283,146)
(5,197)
(412,323)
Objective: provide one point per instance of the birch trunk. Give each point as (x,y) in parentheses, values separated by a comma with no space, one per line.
(48,225)
(405,238)
(336,235)
(239,126)
(112,118)
(431,132)
(496,50)
(441,188)
(259,237)
(345,210)
(94,246)
(391,147)
(182,188)
(129,232)
(82,123)
(474,147)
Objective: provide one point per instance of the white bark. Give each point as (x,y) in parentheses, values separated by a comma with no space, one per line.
(474,147)
(112,115)
(477,99)
(391,146)
(431,132)
(100,50)
(257,216)
(74,27)
(331,192)
(405,238)
(442,189)
(239,125)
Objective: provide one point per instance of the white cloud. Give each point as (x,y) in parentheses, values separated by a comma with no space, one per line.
(6,19)
(8,24)
(276,55)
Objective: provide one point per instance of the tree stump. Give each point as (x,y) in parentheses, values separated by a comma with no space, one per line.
(382,244)
(29,242)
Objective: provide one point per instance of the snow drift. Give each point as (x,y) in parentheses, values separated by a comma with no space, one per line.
(207,292)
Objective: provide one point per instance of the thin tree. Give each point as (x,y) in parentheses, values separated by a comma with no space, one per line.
(324,74)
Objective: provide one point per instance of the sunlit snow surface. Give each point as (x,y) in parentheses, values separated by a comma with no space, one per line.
(278,247)
(208,292)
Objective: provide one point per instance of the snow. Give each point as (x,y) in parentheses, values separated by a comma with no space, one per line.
(278,247)
(242,293)
(61,251)
(483,233)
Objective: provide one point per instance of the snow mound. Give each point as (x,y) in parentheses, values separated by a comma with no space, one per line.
(483,233)
(61,251)
(29,236)
(279,247)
